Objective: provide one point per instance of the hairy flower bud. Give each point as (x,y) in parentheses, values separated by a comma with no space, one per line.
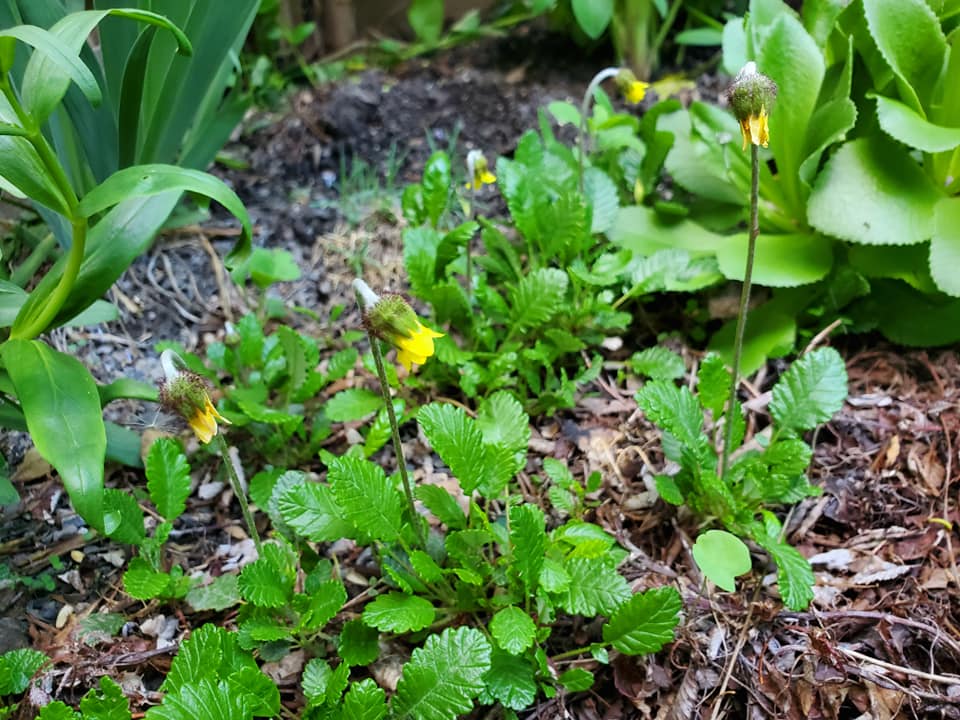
(391,319)
(478,171)
(187,394)
(633,90)
(751,98)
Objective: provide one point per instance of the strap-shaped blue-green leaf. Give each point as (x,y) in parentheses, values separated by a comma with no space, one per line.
(59,399)
(61,56)
(23,170)
(45,81)
(147,180)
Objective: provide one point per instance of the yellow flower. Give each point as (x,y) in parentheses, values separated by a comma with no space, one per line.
(186,394)
(633,90)
(416,347)
(754,129)
(478,171)
(390,318)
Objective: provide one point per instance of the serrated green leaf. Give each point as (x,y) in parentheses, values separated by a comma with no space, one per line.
(312,512)
(794,574)
(442,504)
(945,244)
(444,676)
(904,124)
(510,680)
(209,653)
(722,556)
(644,623)
(513,630)
(399,613)
(168,477)
(222,593)
(57,710)
(268,580)
(204,699)
(124,516)
(260,692)
(143,582)
(458,441)
(713,384)
(365,701)
(425,566)
(358,644)
(502,421)
(657,363)
(810,392)
(596,588)
(98,627)
(576,680)
(353,404)
(553,577)
(108,704)
(325,602)
(528,541)
(17,667)
(260,625)
(368,499)
(537,297)
(603,198)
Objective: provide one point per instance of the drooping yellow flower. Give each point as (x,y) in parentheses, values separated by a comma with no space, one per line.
(633,90)
(390,318)
(754,129)
(478,171)
(186,394)
(751,97)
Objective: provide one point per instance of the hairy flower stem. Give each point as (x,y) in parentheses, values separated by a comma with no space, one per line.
(744,305)
(604,74)
(473,214)
(238,491)
(394,429)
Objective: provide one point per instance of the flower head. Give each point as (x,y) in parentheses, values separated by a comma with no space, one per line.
(187,394)
(633,90)
(478,171)
(751,97)
(390,318)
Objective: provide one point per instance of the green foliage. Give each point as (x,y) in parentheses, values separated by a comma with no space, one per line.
(644,623)
(809,393)
(17,668)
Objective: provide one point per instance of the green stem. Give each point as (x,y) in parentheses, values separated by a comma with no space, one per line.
(238,491)
(394,430)
(744,305)
(665,27)
(473,214)
(573,653)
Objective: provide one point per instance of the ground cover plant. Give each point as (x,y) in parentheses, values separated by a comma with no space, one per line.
(501,520)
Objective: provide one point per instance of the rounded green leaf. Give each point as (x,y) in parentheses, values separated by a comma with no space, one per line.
(721,556)
(60,401)
(872,192)
(780,260)
(397,612)
(513,630)
(593,16)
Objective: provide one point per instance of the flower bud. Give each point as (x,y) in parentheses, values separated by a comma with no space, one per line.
(391,319)
(478,171)
(633,90)
(187,394)
(751,98)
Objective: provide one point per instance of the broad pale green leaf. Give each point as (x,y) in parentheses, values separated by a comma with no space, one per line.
(124,516)
(871,191)
(810,392)
(59,399)
(576,680)
(565,113)
(426,19)
(368,499)
(143,582)
(904,124)
(312,512)
(537,297)
(909,317)
(830,123)
(644,623)
(780,260)
(593,16)
(640,229)
(444,676)
(771,332)
(502,421)
(513,629)
(528,540)
(168,478)
(156,179)
(17,667)
(945,245)
(222,593)
(205,699)
(510,680)
(722,556)
(60,55)
(603,198)
(596,588)
(916,57)
(353,404)
(358,644)
(458,441)
(398,612)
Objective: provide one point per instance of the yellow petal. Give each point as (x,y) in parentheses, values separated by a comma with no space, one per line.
(488,178)
(417,347)
(636,91)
